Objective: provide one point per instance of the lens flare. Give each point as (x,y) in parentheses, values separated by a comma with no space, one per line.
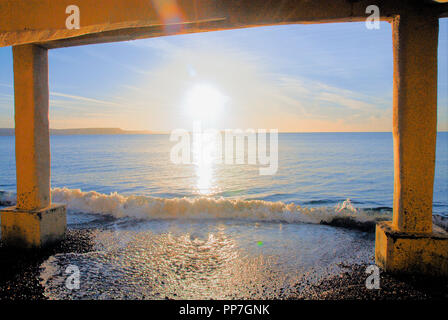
(170,15)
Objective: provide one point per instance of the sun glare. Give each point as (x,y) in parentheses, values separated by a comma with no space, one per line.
(204,102)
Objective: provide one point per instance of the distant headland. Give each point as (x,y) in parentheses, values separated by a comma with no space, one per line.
(86,131)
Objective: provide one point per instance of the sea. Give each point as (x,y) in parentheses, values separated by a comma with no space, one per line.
(206,230)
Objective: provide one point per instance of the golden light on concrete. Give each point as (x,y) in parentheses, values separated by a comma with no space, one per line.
(404,252)
(34,221)
(415,41)
(37,228)
(43,21)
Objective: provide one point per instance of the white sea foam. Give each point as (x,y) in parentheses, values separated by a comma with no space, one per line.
(144,207)
(147,207)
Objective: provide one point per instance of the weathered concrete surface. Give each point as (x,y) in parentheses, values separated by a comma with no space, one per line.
(417,253)
(30,229)
(415,40)
(43,21)
(410,243)
(34,222)
(32,127)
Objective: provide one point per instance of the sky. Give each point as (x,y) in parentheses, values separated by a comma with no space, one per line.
(294,78)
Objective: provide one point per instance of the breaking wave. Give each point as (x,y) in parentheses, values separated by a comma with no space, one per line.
(144,207)
(147,208)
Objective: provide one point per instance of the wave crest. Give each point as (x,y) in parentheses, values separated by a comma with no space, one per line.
(147,207)
(144,207)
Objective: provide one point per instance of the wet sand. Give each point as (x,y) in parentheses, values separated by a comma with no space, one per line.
(19,271)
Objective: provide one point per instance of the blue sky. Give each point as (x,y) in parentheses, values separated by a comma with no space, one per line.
(327,77)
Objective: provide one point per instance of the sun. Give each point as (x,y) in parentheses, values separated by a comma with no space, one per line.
(204,102)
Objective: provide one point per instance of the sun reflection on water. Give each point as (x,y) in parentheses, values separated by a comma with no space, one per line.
(205,158)
(203,105)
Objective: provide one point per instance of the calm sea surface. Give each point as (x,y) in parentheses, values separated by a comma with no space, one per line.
(215,231)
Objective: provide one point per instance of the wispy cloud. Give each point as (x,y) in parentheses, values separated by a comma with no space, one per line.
(97,54)
(85,99)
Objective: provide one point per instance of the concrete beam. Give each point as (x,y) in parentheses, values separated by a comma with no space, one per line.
(42,21)
(415,41)
(32,127)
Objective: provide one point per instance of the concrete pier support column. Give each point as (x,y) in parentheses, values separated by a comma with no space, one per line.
(415,41)
(410,243)
(34,221)
(32,127)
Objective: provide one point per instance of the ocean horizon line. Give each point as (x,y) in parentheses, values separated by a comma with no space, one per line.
(119,131)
